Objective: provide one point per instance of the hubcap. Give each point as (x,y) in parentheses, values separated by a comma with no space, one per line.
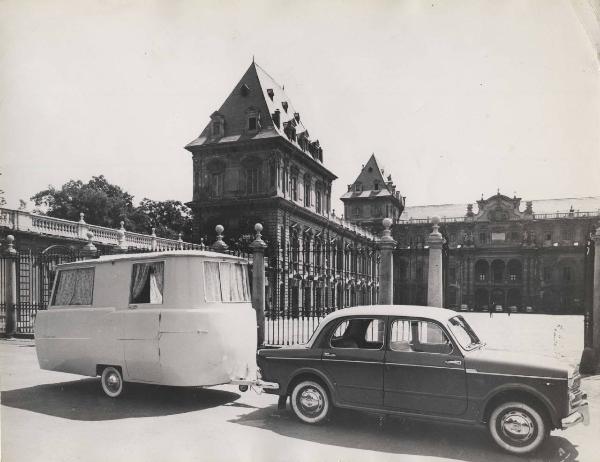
(311,401)
(113,382)
(517,426)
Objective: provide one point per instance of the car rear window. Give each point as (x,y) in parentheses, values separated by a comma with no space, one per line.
(74,287)
(226,282)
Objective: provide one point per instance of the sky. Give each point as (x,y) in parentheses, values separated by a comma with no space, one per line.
(455,98)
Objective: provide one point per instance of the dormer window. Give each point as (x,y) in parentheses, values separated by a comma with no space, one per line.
(358,187)
(253,119)
(270,93)
(284,105)
(217,125)
(376,186)
(251,123)
(244,90)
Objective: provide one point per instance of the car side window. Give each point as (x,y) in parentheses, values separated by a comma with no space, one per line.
(418,336)
(366,333)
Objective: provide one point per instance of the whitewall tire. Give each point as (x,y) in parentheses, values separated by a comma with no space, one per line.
(112,381)
(310,402)
(517,427)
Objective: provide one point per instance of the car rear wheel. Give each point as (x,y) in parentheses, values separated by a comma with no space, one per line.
(310,402)
(517,427)
(112,381)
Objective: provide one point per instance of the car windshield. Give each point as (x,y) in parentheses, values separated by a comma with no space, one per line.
(464,333)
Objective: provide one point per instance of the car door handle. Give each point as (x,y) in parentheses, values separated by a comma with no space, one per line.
(329,355)
(455,362)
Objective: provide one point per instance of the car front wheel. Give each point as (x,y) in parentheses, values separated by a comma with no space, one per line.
(517,427)
(310,402)
(112,381)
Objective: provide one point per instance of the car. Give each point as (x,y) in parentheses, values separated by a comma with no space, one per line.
(425,363)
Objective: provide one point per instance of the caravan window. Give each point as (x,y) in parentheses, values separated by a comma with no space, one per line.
(226,282)
(74,287)
(147,283)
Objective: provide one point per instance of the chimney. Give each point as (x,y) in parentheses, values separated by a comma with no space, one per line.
(270,93)
(276,118)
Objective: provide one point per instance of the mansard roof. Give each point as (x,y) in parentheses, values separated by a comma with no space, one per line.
(370,174)
(259,92)
(539,206)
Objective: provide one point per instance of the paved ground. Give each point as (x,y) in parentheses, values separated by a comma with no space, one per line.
(48,416)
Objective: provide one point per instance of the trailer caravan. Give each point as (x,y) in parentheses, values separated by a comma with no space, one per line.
(181,318)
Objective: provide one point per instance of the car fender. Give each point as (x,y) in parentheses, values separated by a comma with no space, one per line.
(523,388)
(316,372)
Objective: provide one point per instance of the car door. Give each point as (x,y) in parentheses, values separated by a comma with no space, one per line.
(424,371)
(352,357)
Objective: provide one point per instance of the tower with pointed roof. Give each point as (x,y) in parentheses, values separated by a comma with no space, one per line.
(372,197)
(255,160)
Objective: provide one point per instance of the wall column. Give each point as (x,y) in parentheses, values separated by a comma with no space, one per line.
(11,292)
(596,299)
(258,282)
(434,279)
(386,244)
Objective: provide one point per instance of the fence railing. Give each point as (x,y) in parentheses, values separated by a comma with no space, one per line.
(17,220)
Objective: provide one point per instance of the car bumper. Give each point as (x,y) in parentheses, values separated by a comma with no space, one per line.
(580,414)
(260,384)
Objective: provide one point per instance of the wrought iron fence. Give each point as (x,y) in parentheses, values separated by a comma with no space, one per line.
(304,284)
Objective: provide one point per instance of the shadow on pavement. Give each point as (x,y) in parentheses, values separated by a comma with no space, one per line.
(358,430)
(84,400)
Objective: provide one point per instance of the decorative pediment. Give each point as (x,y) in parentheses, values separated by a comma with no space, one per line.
(499,208)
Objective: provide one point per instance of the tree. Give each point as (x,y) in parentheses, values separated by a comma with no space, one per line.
(104,204)
(168,217)
(2,199)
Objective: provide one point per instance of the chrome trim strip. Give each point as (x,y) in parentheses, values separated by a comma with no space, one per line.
(352,361)
(422,365)
(475,371)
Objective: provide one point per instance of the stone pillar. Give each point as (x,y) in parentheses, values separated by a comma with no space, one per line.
(89,250)
(258,282)
(386,244)
(121,241)
(434,279)
(11,287)
(153,243)
(596,298)
(219,245)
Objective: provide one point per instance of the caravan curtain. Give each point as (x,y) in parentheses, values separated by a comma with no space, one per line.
(75,287)
(156,282)
(138,281)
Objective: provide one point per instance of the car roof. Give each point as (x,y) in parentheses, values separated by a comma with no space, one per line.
(154,256)
(437,314)
(416,311)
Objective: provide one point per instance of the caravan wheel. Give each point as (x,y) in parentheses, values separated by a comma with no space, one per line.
(112,381)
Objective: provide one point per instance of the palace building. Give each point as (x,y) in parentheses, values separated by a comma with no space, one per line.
(255,161)
(501,254)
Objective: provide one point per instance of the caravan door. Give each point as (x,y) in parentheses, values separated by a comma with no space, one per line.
(141,322)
